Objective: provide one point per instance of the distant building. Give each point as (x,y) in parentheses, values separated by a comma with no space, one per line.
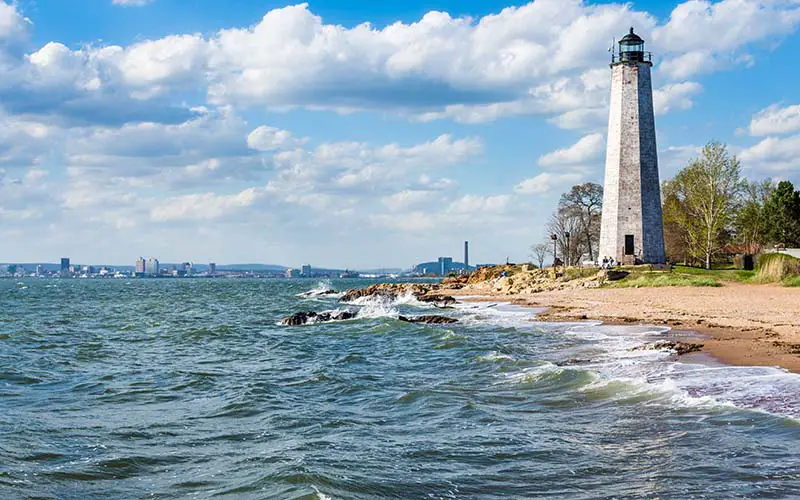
(39,270)
(152,267)
(445,265)
(466,255)
(64,272)
(186,268)
(292,273)
(140,266)
(306,271)
(212,268)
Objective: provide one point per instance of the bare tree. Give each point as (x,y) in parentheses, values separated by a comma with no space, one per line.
(561,223)
(584,202)
(540,252)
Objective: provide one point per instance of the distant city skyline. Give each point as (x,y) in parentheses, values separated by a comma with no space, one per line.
(247,132)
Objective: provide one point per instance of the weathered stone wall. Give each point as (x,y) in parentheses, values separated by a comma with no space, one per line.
(631,201)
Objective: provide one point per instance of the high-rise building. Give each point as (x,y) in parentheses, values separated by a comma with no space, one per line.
(64,272)
(445,265)
(292,273)
(212,268)
(466,255)
(631,226)
(305,271)
(186,268)
(39,270)
(152,267)
(141,265)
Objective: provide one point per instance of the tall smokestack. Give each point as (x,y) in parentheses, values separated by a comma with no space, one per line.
(466,255)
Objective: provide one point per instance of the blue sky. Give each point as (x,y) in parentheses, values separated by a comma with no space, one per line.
(354,133)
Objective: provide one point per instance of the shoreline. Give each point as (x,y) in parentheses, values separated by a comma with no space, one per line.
(736,326)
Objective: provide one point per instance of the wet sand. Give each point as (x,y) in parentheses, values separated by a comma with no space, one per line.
(753,325)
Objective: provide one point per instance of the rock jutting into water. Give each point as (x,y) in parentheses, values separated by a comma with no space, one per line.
(304,318)
(679,348)
(430,320)
(423,292)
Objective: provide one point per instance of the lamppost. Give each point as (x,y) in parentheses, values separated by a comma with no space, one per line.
(567,257)
(555,240)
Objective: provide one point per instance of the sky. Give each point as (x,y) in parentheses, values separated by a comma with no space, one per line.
(347,133)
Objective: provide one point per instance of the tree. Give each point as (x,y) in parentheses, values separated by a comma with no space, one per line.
(782,215)
(676,237)
(561,223)
(706,193)
(540,252)
(584,202)
(751,221)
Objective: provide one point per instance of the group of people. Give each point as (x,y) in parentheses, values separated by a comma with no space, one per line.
(608,263)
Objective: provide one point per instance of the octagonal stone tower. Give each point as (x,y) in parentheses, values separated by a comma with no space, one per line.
(631,228)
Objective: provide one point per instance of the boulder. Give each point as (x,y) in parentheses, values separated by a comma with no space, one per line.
(430,320)
(438,300)
(679,348)
(304,318)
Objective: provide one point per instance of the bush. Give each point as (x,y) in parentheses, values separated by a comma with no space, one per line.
(777,267)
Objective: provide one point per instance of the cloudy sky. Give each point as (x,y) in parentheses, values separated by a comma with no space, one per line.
(354,133)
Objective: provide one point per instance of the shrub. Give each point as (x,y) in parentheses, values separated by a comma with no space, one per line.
(776,267)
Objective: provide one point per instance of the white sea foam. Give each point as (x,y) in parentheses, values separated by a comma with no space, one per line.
(654,377)
(407,298)
(494,357)
(322,289)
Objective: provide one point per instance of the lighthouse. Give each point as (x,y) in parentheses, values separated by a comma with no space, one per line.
(631,228)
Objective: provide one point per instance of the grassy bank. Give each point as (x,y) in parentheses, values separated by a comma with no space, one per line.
(778,268)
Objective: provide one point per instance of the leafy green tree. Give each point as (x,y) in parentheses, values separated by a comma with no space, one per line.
(706,194)
(752,222)
(782,212)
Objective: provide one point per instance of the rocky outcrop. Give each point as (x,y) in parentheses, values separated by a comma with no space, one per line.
(304,318)
(437,300)
(424,292)
(679,348)
(430,320)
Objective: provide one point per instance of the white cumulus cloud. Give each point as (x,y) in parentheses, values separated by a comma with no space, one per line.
(776,120)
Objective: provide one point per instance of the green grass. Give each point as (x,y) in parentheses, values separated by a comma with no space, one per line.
(574,273)
(722,274)
(791,281)
(662,279)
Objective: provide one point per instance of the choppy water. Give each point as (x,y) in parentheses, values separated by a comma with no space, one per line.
(171,389)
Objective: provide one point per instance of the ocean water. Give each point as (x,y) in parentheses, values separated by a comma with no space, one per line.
(191,389)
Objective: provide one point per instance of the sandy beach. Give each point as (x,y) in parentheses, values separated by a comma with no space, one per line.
(738,324)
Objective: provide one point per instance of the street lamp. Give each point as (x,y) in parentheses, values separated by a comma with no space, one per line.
(567,254)
(555,240)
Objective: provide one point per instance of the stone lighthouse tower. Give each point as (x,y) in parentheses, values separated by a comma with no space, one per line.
(631,228)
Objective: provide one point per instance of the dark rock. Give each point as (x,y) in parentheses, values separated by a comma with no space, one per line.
(437,300)
(431,320)
(573,362)
(679,348)
(304,318)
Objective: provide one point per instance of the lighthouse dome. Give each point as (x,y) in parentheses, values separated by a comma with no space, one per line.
(631,48)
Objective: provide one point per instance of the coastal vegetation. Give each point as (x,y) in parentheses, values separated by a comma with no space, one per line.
(711,212)
(713,216)
(778,268)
